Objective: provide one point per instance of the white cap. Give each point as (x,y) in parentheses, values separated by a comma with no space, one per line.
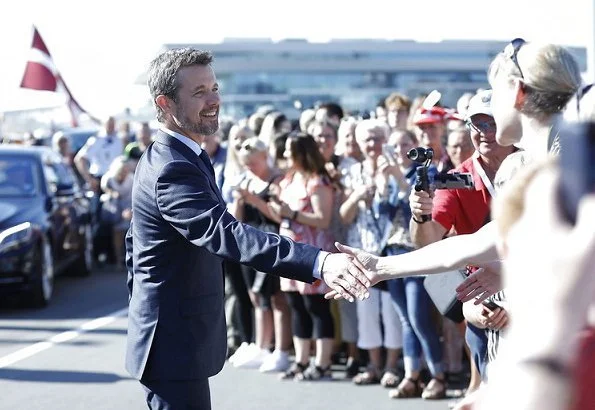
(480,103)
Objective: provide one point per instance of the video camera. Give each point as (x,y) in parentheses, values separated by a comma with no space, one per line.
(454,180)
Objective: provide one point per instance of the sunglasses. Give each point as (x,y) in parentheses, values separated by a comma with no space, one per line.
(512,51)
(482,126)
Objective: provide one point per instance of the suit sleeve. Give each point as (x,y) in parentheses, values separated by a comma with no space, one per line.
(129,263)
(187,202)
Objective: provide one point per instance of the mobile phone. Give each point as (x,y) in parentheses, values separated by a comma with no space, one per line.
(491,305)
(389,151)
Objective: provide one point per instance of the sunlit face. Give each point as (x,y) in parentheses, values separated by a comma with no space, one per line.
(326,138)
(507,117)
(370,143)
(110,126)
(459,147)
(256,163)
(403,144)
(430,136)
(397,119)
(236,137)
(197,108)
(351,146)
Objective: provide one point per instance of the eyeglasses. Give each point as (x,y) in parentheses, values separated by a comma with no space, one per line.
(512,51)
(481,126)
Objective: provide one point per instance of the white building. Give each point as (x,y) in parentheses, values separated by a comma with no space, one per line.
(355,73)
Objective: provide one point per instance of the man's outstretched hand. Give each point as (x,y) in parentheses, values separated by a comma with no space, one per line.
(344,277)
(359,262)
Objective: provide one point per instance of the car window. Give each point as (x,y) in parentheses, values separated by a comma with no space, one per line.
(59,175)
(18,176)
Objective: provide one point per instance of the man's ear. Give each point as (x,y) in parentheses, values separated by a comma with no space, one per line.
(164,103)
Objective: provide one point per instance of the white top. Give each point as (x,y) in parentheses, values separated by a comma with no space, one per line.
(101,151)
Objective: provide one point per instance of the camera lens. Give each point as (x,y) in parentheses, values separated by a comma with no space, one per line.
(420,154)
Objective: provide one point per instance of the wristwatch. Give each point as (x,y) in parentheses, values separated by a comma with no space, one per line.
(423,221)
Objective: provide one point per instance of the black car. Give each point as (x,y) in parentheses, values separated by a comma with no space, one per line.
(45,222)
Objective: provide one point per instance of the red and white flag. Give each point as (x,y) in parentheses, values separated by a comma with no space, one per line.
(42,74)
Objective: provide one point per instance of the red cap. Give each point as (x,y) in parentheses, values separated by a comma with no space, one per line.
(430,116)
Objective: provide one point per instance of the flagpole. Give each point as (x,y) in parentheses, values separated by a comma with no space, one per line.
(42,74)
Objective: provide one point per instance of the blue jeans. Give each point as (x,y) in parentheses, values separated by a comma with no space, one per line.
(477,340)
(413,305)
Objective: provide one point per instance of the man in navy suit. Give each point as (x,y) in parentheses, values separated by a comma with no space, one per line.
(179,235)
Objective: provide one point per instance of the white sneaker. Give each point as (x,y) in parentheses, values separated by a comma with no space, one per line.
(252,359)
(278,361)
(242,350)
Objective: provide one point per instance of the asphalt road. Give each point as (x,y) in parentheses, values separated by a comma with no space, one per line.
(70,356)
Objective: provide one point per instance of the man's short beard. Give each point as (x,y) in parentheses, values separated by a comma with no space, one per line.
(199,128)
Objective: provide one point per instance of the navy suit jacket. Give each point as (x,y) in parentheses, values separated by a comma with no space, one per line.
(179,235)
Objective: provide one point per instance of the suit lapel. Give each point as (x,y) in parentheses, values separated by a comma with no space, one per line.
(191,156)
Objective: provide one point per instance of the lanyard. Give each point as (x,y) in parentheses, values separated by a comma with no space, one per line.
(484,177)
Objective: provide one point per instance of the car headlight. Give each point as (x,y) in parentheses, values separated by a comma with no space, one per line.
(16,235)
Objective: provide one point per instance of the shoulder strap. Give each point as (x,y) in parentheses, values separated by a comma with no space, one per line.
(484,177)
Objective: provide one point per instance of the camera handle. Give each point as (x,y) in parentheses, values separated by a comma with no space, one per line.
(422,183)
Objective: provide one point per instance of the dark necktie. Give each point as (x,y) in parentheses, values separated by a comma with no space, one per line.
(207,161)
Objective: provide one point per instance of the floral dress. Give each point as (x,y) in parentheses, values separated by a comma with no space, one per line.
(298,197)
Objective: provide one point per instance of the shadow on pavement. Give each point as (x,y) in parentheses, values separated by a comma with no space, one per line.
(59,376)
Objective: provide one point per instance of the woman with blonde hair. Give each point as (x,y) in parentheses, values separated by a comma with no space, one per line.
(271,311)
(233,172)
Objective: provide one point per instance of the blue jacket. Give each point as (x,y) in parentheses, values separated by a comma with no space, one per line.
(179,235)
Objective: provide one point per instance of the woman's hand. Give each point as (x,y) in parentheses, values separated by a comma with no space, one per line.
(247,196)
(281,209)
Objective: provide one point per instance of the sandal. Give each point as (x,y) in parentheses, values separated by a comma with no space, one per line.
(390,378)
(351,369)
(315,373)
(435,390)
(293,371)
(370,376)
(406,389)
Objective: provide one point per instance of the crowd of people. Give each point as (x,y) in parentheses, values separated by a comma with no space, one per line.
(331,176)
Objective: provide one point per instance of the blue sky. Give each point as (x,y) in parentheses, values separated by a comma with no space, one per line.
(101,46)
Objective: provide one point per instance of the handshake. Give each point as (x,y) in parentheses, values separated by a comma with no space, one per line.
(350,273)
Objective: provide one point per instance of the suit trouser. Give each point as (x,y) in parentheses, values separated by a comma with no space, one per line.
(177,394)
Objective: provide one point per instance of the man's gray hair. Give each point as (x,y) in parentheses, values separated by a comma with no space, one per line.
(163,72)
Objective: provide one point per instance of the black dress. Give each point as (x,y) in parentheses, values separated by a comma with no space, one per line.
(260,282)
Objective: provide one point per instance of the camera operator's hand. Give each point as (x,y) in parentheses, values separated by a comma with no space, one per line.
(421,203)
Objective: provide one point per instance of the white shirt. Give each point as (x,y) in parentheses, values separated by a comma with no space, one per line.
(189,142)
(101,151)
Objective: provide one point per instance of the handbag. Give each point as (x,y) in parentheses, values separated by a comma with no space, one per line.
(441,289)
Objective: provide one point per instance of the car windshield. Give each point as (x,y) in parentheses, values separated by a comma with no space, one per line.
(18,176)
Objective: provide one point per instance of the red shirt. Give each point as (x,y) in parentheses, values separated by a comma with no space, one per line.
(584,377)
(466,210)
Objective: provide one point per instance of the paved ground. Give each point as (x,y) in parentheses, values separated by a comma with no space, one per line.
(70,356)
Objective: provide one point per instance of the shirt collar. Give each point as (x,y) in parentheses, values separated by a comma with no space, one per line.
(190,143)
